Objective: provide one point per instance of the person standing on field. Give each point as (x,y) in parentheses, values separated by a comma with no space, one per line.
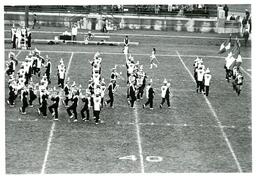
(150,95)
(165,94)
(207,80)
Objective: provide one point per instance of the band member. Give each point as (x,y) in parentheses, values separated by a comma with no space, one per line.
(12,92)
(207,80)
(96,107)
(238,82)
(55,105)
(24,100)
(111,90)
(13,36)
(48,70)
(18,38)
(86,99)
(61,74)
(11,66)
(43,108)
(152,58)
(200,77)
(132,90)
(67,93)
(32,93)
(73,106)
(150,95)
(24,37)
(165,94)
(126,41)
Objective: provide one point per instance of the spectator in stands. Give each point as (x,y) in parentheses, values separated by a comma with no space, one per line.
(247,14)
(169,8)
(225,8)
(29,38)
(13,36)
(35,22)
(232,17)
(74,32)
(250,24)
(246,36)
(157,8)
(104,25)
(244,24)
(18,38)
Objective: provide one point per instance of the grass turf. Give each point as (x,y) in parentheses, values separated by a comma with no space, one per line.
(197,146)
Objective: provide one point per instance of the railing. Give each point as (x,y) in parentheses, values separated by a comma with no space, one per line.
(141,10)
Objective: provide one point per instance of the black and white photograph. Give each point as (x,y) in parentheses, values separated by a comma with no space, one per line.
(127,87)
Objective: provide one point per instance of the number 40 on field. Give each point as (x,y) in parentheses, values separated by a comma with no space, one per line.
(148,158)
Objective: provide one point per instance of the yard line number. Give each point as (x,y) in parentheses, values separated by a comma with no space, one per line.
(148,158)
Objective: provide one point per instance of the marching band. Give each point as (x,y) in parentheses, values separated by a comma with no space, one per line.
(37,67)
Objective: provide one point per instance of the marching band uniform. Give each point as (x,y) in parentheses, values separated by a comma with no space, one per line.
(207,79)
(43,108)
(165,94)
(24,100)
(96,108)
(55,106)
(150,95)
(73,107)
(86,99)
(132,90)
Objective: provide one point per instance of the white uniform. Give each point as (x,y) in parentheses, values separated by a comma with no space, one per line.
(200,75)
(147,89)
(97,103)
(130,68)
(207,79)
(163,91)
(126,50)
(62,73)
(74,31)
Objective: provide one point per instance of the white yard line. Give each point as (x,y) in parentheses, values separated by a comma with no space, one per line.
(18,54)
(135,54)
(139,139)
(48,148)
(53,128)
(249,75)
(216,118)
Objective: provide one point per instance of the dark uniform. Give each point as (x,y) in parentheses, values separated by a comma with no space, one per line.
(43,108)
(132,94)
(111,94)
(32,95)
(12,95)
(126,41)
(54,107)
(86,101)
(48,71)
(73,108)
(151,94)
(66,93)
(11,68)
(24,100)
(29,39)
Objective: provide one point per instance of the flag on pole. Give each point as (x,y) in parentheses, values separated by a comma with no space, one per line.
(225,45)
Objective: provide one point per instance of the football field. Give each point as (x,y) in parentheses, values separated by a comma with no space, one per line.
(197,134)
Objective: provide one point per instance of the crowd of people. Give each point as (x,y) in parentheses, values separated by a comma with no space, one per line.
(20,38)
